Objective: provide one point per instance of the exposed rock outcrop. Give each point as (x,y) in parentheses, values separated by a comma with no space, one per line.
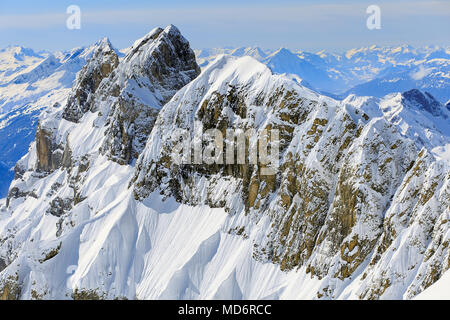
(103,62)
(49,155)
(2,265)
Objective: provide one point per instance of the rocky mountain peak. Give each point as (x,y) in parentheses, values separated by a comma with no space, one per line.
(155,68)
(341,171)
(104,60)
(105,42)
(165,58)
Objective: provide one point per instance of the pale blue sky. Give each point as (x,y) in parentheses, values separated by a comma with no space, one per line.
(308,25)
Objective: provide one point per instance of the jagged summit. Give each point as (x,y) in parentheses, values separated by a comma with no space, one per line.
(103,61)
(415,114)
(30,86)
(139,64)
(170,31)
(104,42)
(159,52)
(151,35)
(154,69)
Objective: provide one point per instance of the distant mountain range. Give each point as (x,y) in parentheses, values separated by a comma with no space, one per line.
(372,71)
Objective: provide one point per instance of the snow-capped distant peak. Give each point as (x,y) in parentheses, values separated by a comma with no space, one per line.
(283,52)
(424,101)
(19,52)
(254,52)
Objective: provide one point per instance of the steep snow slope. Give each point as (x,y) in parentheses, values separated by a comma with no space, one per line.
(359,208)
(67,158)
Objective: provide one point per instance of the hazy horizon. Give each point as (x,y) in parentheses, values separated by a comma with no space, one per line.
(334,26)
(270,50)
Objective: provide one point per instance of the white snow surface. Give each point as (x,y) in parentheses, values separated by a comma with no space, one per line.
(440,290)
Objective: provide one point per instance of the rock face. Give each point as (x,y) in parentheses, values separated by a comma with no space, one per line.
(48,157)
(163,63)
(2,265)
(103,62)
(108,115)
(126,96)
(356,207)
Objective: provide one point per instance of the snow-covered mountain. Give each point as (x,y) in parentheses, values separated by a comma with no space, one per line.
(374,71)
(29,84)
(358,208)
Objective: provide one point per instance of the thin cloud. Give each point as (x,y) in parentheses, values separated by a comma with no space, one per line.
(295,14)
(27,21)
